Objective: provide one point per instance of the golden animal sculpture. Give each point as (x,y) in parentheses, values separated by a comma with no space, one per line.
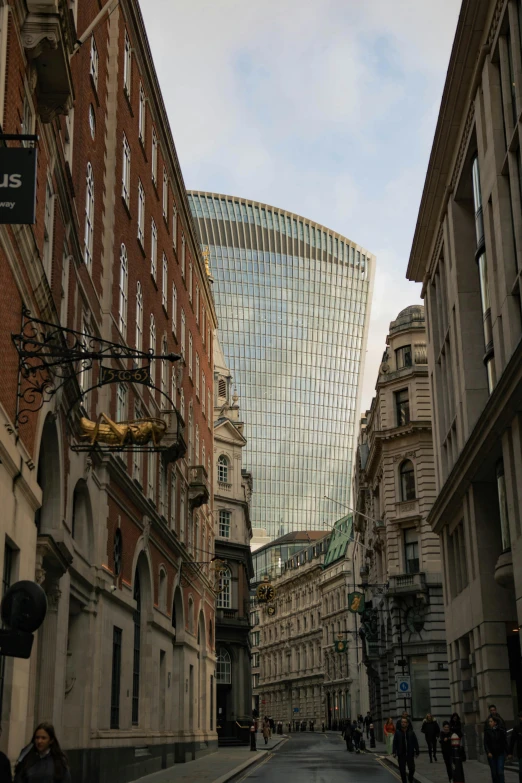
(135,432)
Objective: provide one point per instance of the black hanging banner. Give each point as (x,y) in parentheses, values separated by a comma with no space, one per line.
(17,185)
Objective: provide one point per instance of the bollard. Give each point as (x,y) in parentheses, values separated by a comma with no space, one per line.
(456,759)
(253,737)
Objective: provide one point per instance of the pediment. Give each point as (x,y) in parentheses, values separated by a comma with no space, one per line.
(225,430)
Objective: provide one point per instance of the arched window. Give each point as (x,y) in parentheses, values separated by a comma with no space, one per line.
(152,347)
(223,666)
(407,477)
(139,317)
(124,278)
(89,218)
(223,596)
(223,465)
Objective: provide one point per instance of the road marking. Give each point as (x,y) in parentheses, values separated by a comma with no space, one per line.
(267,758)
(391,771)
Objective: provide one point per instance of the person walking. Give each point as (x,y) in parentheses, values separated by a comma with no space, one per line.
(43,761)
(389,733)
(431,730)
(266,730)
(455,725)
(356,736)
(347,734)
(494,714)
(515,744)
(367,721)
(445,748)
(404,715)
(406,749)
(495,745)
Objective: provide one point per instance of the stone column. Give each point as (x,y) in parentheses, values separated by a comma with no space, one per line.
(48,655)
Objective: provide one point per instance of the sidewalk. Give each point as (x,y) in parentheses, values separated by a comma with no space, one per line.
(475,771)
(216,767)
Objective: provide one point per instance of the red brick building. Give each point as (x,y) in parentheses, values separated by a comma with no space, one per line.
(124,663)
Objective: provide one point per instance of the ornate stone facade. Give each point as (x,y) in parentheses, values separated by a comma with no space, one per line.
(397,554)
(301,677)
(467,252)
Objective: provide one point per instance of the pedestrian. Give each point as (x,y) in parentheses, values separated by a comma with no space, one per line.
(445,747)
(455,725)
(431,730)
(356,736)
(495,745)
(494,714)
(404,715)
(266,730)
(515,744)
(323,727)
(272,725)
(347,734)
(406,749)
(44,761)
(5,767)
(372,735)
(368,719)
(389,733)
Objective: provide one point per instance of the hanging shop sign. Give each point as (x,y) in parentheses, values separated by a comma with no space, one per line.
(341,646)
(356,602)
(17,185)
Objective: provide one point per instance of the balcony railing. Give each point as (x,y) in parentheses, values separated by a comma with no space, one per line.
(407,584)
(224,485)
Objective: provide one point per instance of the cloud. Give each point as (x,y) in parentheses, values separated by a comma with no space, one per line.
(324,108)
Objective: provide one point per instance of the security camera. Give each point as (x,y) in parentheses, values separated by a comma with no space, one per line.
(113,588)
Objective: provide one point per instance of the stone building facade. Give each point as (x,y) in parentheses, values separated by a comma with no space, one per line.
(301,676)
(397,555)
(233,532)
(467,252)
(124,663)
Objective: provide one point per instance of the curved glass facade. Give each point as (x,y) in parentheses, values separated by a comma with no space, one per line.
(293,301)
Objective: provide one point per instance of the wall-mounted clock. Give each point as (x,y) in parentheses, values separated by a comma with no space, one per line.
(265,593)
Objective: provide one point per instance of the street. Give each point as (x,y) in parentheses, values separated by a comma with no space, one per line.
(313,757)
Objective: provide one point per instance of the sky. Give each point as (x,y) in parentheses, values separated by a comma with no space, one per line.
(325,108)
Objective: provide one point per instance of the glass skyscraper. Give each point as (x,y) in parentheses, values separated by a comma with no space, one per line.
(293,302)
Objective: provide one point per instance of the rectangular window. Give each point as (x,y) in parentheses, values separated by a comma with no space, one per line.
(142,113)
(411,551)
(95,62)
(174,314)
(402,407)
(151,478)
(121,402)
(153,249)
(48,227)
(403,357)
(175,227)
(182,515)
(165,282)
(224,523)
(183,328)
(190,354)
(127,65)
(165,193)
(183,257)
(126,171)
(190,282)
(458,564)
(172,514)
(116,677)
(420,687)
(141,214)
(203,392)
(137,456)
(162,488)
(209,408)
(197,304)
(203,324)
(197,374)
(154,156)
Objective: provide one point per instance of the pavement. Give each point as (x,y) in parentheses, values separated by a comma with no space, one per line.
(435,772)
(218,767)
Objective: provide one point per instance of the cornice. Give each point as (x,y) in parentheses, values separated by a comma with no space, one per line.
(378,438)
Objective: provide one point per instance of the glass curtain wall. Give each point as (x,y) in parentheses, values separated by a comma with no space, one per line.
(293,303)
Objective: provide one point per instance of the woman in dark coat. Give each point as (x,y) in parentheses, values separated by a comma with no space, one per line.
(445,746)
(455,725)
(430,729)
(44,761)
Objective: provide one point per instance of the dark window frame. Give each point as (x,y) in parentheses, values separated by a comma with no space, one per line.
(407,481)
(403,357)
(402,407)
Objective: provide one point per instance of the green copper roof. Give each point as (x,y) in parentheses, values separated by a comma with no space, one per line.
(342,534)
